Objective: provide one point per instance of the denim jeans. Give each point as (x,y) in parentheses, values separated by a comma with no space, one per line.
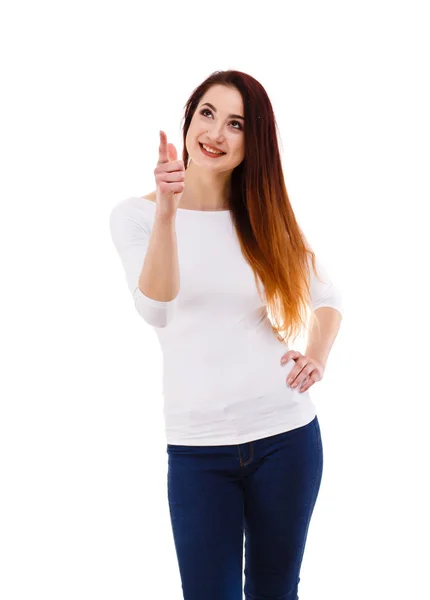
(264,490)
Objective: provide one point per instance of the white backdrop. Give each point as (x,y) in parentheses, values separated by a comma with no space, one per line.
(86,88)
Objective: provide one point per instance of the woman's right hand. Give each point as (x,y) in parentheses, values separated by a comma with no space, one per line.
(169,177)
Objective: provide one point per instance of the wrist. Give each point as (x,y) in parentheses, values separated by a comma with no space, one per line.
(316,355)
(164,217)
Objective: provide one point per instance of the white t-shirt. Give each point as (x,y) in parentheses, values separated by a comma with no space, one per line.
(222,378)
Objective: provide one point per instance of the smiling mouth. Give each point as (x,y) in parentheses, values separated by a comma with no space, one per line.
(213,153)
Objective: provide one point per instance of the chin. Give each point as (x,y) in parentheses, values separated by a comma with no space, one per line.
(207,163)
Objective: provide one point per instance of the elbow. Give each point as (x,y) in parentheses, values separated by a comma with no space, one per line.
(156,313)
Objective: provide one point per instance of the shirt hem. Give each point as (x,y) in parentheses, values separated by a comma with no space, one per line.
(235,439)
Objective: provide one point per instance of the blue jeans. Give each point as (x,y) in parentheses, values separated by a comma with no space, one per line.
(265,489)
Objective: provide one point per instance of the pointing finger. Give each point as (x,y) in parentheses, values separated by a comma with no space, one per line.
(162,150)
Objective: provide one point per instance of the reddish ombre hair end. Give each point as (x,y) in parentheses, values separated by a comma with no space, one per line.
(269,235)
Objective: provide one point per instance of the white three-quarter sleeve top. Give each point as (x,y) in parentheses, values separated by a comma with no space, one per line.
(222,378)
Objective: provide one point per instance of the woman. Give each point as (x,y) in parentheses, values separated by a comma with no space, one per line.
(208,256)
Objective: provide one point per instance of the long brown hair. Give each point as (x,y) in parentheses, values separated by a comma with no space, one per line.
(269,235)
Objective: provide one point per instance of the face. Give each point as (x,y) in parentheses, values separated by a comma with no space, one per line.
(215,126)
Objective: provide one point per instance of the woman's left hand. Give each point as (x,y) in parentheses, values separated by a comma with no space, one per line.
(305,372)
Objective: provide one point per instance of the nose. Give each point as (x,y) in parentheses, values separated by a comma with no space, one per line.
(216,133)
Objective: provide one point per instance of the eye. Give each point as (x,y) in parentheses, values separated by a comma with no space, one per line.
(209,111)
(240,125)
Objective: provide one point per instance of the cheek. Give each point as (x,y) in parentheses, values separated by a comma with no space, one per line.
(195,134)
(192,138)
(240,149)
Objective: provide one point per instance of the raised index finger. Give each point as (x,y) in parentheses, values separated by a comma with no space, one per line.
(163,156)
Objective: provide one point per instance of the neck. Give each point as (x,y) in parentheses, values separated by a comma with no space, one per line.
(205,189)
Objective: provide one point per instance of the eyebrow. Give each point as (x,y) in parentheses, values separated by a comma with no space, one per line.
(214,109)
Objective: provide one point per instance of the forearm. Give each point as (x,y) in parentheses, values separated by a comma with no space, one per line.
(159,278)
(323,330)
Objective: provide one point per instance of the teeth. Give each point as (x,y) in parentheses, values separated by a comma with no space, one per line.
(210,150)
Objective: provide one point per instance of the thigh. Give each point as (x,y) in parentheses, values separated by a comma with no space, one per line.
(279,499)
(206,511)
